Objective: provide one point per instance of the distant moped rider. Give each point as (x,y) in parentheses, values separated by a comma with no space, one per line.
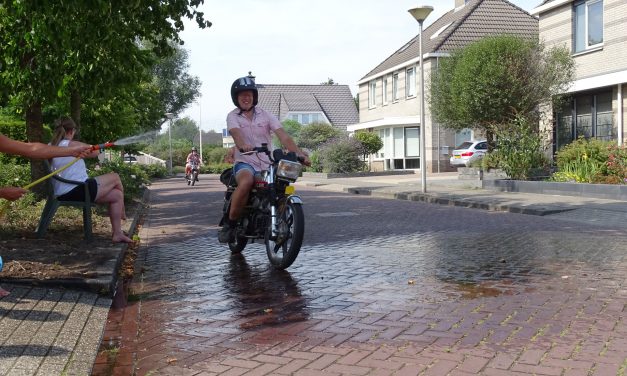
(191,157)
(250,127)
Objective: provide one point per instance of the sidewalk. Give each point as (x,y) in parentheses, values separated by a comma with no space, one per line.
(447,189)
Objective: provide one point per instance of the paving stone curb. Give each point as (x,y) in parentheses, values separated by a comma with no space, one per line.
(459,201)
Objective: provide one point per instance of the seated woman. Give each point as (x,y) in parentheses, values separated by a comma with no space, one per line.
(103,189)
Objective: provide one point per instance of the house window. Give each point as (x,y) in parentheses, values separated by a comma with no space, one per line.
(385,89)
(381,152)
(372,94)
(410,83)
(412,142)
(588,116)
(395,94)
(308,117)
(588,24)
(463,136)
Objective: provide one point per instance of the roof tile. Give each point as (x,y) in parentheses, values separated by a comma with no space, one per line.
(336,101)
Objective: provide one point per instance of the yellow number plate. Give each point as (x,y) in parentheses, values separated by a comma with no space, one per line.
(289,190)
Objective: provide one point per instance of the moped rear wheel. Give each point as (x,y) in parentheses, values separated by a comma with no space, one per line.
(283,248)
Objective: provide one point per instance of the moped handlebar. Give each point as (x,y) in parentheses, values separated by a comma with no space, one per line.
(264,149)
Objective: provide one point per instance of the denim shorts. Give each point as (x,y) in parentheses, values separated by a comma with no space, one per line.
(240,166)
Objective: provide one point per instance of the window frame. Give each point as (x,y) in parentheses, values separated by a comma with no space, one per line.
(372,94)
(395,90)
(384,90)
(587,47)
(410,82)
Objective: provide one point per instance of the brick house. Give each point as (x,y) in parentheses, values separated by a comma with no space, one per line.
(389,95)
(596,33)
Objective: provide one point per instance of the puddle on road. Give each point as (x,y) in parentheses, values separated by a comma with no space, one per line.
(264,296)
(485,289)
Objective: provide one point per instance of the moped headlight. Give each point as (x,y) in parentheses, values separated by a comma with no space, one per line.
(288,170)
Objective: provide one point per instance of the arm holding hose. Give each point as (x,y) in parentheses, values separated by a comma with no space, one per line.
(38,150)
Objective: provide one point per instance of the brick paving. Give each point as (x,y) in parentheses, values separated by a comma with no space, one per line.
(381,287)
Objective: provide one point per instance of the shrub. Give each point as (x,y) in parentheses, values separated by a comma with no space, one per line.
(316,163)
(155,171)
(519,149)
(216,155)
(15,175)
(215,168)
(585,161)
(616,165)
(313,135)
(134,178)
(342,155)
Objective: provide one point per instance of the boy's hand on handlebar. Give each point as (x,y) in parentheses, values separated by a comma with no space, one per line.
(304,159)
(246,148)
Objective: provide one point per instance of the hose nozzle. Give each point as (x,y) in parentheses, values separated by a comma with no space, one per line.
(103,146)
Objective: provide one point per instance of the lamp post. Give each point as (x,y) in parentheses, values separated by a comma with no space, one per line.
(420,14)
(170,116)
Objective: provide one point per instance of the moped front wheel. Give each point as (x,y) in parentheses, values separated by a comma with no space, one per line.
(238,245)
(194,177)
(283,247)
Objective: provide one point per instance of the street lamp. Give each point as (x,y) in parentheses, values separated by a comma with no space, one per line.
(170,116)
(420,14)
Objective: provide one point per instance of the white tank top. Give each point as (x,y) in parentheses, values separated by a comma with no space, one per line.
(77,172)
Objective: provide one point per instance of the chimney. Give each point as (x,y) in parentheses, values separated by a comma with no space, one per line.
(460,3)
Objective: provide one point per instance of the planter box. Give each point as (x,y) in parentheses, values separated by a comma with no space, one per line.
(605,191)
(324,175)
(476,173)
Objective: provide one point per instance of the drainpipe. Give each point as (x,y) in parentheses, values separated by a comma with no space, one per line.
(619,114)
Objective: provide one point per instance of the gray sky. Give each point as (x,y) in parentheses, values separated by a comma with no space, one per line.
(296,42)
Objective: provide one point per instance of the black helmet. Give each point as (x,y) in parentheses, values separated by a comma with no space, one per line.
(243,84)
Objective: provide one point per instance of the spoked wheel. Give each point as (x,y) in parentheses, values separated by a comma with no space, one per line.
(194,177)
(283,247)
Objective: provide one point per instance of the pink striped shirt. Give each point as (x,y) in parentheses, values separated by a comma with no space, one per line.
(255,132)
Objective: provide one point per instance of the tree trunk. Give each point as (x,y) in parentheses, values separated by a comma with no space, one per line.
(75,107)
(34,133)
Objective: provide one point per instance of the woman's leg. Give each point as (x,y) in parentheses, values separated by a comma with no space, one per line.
(111,191)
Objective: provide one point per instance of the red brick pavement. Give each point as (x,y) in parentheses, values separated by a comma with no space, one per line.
(345,310)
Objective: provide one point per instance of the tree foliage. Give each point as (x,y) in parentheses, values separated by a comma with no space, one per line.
(370,142)
(185,129)
(315,134)
(87,52)
(519,149)
(490,82)
(341,155)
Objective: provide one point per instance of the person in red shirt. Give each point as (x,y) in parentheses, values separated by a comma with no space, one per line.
(191,157)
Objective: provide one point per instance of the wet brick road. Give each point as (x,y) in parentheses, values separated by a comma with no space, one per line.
(381,287)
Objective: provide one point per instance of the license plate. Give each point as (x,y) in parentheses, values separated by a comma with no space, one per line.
(289,190)
(457,156)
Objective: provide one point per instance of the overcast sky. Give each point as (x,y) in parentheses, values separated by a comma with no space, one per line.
(296,42)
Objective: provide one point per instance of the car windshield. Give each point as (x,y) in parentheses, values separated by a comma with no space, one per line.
(464,145)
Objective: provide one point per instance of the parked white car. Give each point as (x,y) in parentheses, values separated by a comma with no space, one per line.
(468,152)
